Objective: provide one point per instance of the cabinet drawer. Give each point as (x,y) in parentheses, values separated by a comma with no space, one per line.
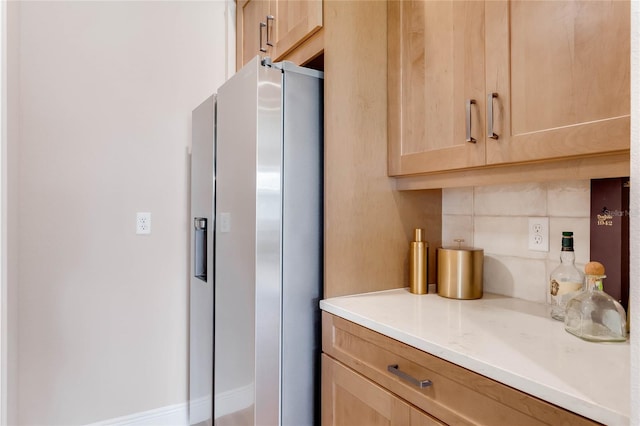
(456,395)
(350,398)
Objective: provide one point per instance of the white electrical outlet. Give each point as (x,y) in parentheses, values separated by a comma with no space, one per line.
(143,223)
(539,233)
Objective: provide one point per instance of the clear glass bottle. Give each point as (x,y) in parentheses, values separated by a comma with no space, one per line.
(566,280)
(595,316)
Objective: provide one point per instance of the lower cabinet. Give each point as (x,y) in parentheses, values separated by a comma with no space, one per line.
(371,379)
(351,399)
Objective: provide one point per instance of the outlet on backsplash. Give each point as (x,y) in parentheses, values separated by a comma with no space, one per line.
(539,233)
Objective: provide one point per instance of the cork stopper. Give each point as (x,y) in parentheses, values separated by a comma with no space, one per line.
(417,234)
(594,268)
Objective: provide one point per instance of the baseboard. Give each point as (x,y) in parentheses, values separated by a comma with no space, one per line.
(200,409)
(178,414)
(171,415)
(234,400)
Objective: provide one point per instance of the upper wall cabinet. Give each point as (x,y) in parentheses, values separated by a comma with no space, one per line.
(251,29)
(273,28)
(485,83)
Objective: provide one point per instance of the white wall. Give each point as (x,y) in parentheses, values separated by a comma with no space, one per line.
(106,91)
(634,296)
(3,214)
(11,233)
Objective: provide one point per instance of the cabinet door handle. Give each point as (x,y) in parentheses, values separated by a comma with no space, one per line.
(394,369)
(269,18)
(468,121)
(490,133)
(262,25)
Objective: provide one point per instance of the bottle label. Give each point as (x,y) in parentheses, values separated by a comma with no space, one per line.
(559,288)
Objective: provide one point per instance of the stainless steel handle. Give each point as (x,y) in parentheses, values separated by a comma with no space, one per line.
(269,18)
(469,103)
(262,25)
(393,369)
(490,133)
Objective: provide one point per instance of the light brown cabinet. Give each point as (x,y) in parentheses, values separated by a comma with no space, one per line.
(273,28)
(474,84)
(357,381)
(356,400)
(251,29)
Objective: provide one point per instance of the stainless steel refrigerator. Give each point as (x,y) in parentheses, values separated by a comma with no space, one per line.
(256,249)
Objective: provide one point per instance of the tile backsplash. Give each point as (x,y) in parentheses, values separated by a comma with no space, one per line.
(496,219)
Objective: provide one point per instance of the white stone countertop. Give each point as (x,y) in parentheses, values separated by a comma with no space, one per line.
(512,341)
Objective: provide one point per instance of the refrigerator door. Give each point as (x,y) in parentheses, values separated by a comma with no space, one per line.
(201,270)
(248,247)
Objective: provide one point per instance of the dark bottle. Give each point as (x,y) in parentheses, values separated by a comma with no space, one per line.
(566,280)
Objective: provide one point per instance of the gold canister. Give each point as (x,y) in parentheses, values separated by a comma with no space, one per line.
(418,266)
(460,272)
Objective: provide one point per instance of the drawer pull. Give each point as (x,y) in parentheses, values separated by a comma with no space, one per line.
(393,369)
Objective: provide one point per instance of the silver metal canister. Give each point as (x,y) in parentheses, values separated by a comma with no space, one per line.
(460,272)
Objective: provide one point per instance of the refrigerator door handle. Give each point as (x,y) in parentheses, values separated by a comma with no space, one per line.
(200,249)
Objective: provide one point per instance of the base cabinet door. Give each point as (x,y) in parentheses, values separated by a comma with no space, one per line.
(349,399)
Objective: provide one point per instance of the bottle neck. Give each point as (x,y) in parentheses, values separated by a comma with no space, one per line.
(593,282)
(567,256)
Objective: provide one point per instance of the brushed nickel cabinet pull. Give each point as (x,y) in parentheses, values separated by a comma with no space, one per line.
(394,369)
(262,25)
(269,18)
(468,120)
(490,133)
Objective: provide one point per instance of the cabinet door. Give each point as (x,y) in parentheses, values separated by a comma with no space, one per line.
(295,21)
(561,71)
(249,33)
(350,399)
(436,64)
